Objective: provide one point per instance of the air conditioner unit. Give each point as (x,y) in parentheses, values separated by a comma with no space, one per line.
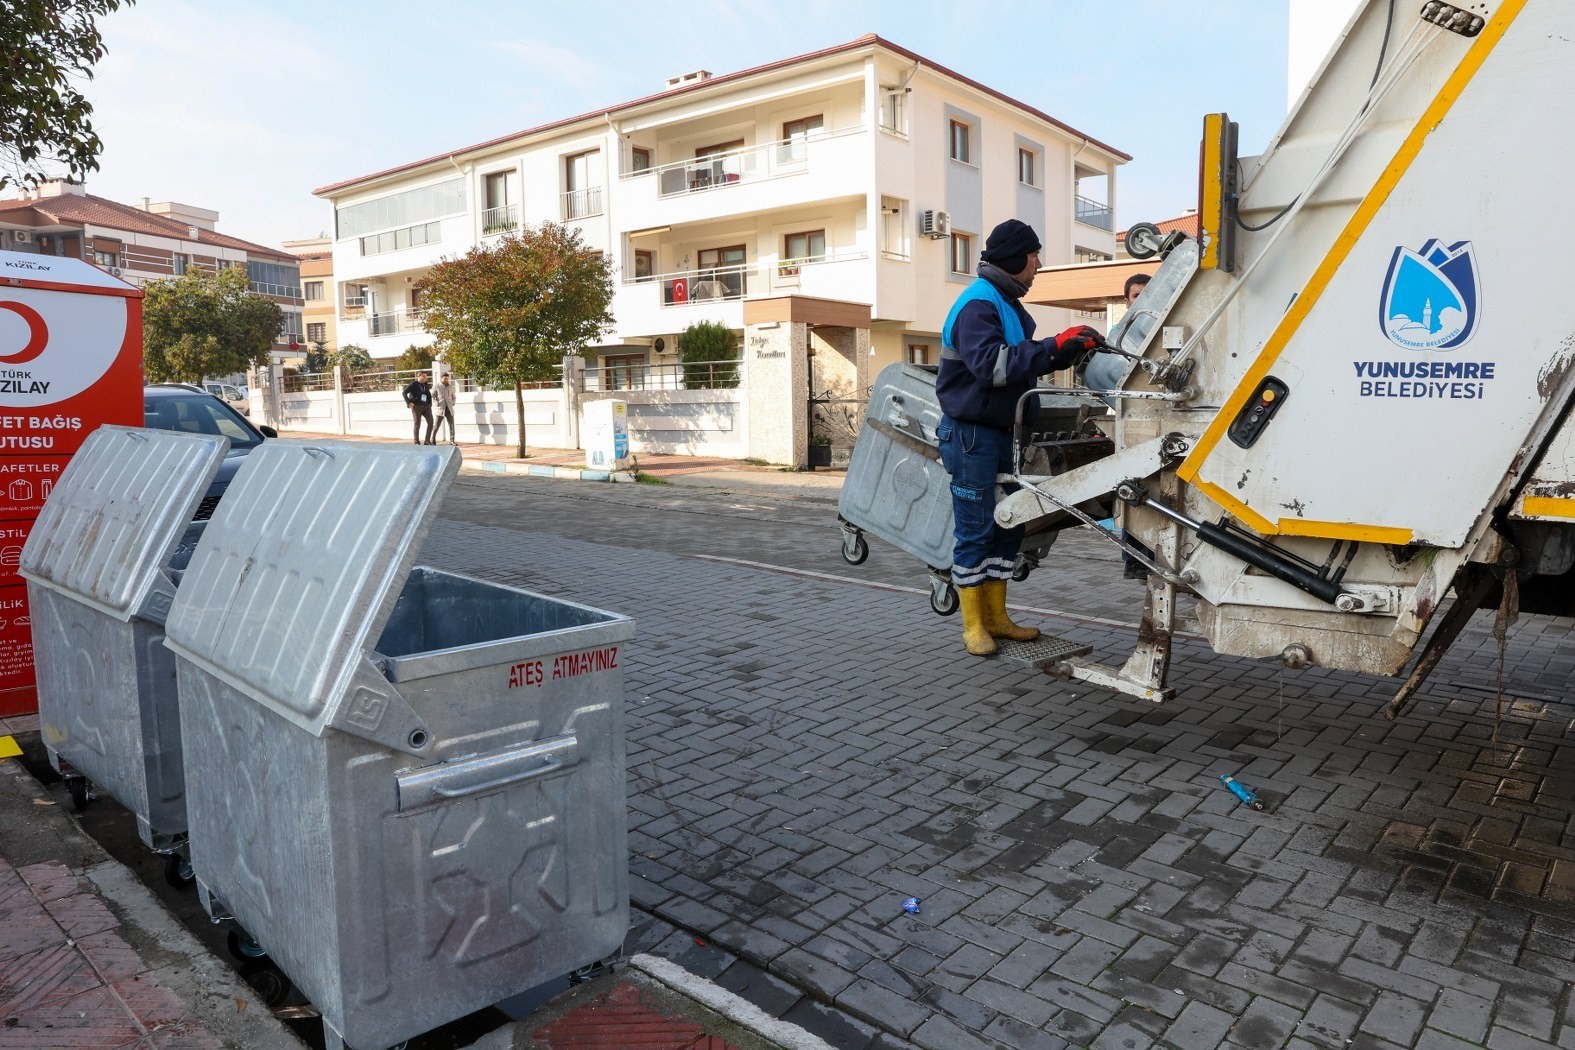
(114,271)
(22,236)
(936,224)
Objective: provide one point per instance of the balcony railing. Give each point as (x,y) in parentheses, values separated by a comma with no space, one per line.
(719,284)
(715,171)
(285,291)
(1092,213)
(395,322)
(500,220)
(698,375)
(578,204)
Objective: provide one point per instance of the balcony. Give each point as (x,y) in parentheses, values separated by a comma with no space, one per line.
(1092,213)
(500,220)
(670,301)
(283,291)
(822,167)
(581,204)
(395,322)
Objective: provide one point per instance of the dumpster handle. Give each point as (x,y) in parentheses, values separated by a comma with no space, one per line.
(500,769)
(315,450)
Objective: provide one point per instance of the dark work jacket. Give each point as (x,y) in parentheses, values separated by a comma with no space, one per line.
(983,384)
(418,395)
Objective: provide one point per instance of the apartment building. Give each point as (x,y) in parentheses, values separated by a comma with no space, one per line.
(320,314)
(846,192)
(150,242)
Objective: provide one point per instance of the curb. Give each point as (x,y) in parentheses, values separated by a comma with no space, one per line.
(740,1011)
(541,470)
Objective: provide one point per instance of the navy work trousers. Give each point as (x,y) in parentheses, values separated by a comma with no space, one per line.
(973,455)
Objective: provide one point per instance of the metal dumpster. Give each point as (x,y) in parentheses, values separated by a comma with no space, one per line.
(406,785)
(101,565)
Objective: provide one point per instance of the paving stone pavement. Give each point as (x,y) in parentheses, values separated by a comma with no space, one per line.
(805,753)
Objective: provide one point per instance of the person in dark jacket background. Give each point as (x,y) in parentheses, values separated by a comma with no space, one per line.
(989,359)
(418,395)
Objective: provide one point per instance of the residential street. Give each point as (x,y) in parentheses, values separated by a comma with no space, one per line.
(808,746)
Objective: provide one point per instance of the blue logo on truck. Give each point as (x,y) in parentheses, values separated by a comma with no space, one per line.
(1429,300)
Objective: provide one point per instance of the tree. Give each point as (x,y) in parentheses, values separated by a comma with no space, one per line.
(352,359)
(205,324)
(316,357)
(45,47)
(508,313)
(702,344)
(413,359)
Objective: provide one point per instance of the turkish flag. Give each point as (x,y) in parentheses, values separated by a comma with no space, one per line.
(680,289)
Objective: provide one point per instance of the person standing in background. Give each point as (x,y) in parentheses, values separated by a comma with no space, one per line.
(443,406)
(418,395)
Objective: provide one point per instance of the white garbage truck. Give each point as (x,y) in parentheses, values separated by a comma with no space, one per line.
(1350,397)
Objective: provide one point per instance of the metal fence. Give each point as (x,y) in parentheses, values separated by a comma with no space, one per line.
(693,375)
(1091,213)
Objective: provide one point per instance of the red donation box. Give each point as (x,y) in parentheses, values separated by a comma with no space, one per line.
(70,360)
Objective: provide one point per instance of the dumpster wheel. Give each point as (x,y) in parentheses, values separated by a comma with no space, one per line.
(177,870)
(855,548)
(80,795)
(943,596)
(268,981)
(243,947)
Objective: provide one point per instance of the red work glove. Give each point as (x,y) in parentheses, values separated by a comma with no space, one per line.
(1080,339)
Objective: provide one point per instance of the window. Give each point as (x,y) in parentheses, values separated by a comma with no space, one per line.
(283,279)
(399,240)
(290,328)
(355,296)
(582,184)
(179,262)
(723,165)
(1089,255)
(801,247)
(314,291)
(499,189)
(921,353)
(961,140)
(644,265)
(962,253)
(500,202)
(894,110)
(639,159)
(795,136)
(721,273)
(894,227)
(623,372)
(1025,166)
(317,332)
(107,259)
(402,209)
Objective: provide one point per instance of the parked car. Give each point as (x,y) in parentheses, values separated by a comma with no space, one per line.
(191,410)
(234,396)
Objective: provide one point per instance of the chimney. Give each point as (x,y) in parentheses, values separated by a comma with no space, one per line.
(196,234)
(684,79)
(146,202)
(60,188)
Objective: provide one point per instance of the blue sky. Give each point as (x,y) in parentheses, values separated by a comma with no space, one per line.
(245,108)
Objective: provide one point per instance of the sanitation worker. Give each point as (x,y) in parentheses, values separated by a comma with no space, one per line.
(989,359)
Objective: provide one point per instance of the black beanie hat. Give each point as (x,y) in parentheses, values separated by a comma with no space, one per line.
(1010,244)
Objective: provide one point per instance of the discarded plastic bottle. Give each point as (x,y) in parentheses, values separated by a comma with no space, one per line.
(1243,792)
(911,905)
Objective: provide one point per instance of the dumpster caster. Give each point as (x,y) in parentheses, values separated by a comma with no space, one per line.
(80,795)
(268,981)
(1025,565)
(855,548)
(177,869)
(243,947)
(596,969)
(943,596)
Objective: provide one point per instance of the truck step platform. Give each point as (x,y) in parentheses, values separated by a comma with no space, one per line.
(1043,652)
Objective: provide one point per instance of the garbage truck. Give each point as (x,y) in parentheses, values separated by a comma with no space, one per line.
(1348,399)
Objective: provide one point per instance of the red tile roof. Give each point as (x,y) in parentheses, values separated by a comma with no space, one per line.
(73,208)
(868,40)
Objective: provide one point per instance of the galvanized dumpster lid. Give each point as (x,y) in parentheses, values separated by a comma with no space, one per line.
(117,513)
(298,573)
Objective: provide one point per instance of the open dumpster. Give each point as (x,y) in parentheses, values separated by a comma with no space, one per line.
(102,564)
(406,785)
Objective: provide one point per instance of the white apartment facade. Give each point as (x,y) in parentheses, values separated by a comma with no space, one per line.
(831,157)
(847,192)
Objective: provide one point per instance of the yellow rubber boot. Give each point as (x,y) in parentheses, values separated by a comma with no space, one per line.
(996,621)
(976,635)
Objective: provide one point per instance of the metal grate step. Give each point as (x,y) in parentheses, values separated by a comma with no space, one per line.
(1042,652)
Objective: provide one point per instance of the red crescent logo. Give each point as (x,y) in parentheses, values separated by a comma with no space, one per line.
(37,334)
